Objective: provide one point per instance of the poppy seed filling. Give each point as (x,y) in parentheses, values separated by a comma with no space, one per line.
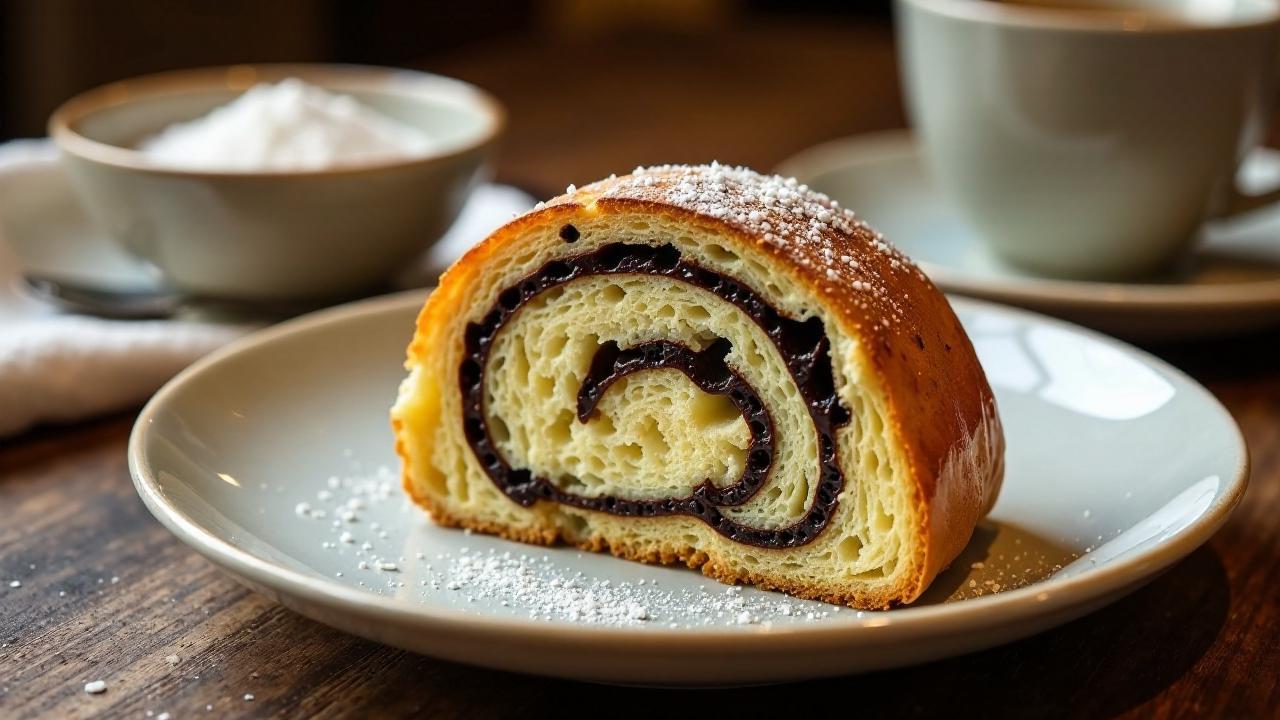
(804,348)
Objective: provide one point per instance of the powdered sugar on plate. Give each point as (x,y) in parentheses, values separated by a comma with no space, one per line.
(365,533)
(388,547)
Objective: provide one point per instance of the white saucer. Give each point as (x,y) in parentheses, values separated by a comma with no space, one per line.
(1231,285)
(1117,466)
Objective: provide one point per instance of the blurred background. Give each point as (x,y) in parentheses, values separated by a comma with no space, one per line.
(593,86)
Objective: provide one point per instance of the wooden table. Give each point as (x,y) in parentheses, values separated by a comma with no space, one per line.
(108,594)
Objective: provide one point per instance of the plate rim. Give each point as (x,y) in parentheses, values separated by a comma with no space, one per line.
(1043,598)
(857,151)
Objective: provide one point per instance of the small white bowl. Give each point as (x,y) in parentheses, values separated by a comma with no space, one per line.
(275,235)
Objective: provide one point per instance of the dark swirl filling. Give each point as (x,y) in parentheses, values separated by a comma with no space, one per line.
(804,348)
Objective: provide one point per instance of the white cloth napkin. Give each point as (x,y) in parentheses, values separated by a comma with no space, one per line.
(57,367)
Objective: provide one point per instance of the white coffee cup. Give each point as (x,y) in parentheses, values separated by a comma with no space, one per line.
(1092,140)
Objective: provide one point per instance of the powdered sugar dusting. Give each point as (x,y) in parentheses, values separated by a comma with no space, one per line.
(781,210)
(391,549)
(813,229)
(544,590)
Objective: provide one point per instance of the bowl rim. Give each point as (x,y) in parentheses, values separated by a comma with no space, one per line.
(333,76)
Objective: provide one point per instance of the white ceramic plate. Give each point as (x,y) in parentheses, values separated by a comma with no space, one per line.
(1118,465)
(1231,283)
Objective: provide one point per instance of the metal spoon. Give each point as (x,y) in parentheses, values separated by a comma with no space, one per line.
(111,303)
(160,302)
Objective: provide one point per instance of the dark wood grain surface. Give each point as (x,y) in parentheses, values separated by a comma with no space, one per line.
(106,593)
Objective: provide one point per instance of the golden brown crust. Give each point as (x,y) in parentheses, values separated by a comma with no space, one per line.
(940,404)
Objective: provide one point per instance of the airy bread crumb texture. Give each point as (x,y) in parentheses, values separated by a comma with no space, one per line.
(656,434)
